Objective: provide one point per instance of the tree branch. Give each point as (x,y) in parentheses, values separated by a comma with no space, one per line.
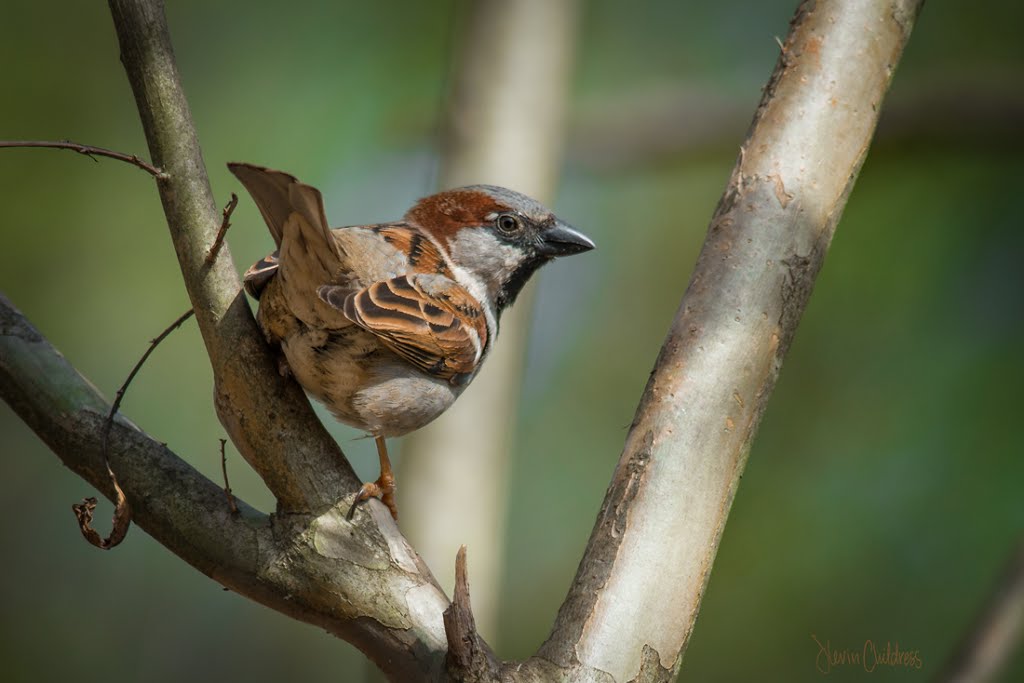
(174,503)
(267,417)
(631,609)
(89,151)
(632,606)
(360,581)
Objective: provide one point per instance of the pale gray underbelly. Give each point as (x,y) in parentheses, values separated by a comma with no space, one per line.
(363,383)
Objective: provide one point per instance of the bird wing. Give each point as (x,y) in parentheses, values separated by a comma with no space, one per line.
(423,255)
(428,319)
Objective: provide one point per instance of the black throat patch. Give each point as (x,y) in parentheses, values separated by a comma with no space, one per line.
(515,283)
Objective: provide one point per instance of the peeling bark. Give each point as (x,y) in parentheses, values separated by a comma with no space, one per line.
(663,515)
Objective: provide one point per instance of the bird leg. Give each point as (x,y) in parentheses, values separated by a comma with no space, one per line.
(383,488)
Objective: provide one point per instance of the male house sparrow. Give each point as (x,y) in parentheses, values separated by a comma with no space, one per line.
(386,324)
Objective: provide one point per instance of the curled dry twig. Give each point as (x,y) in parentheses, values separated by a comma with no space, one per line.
(85,510)
(122,510)
(122,517)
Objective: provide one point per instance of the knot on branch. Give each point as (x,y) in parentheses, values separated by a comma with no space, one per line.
(469,658)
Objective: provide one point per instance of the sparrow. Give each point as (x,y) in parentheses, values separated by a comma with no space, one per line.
(387,324)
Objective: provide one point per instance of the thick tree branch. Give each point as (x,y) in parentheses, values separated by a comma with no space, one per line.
(173,502)
(268,417)
(632,606)
(361,581)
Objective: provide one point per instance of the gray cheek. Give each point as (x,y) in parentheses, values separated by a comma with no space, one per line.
(485,255)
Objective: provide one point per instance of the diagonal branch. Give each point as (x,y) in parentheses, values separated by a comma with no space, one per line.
(174,503)
(633,604)
(267,417)
(361,582)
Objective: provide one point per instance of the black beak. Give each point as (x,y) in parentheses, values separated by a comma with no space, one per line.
(563,240)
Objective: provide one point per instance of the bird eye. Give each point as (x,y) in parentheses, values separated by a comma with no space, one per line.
(508,223)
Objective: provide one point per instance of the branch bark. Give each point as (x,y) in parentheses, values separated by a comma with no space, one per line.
(504,126)
(360,581)
(631,609)
(176,505)
(267,417)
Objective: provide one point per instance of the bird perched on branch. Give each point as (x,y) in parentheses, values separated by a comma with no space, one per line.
(386,324)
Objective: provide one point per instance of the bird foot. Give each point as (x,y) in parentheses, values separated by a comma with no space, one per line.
(383,488)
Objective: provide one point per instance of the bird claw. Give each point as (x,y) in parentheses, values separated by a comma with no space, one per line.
(383,488)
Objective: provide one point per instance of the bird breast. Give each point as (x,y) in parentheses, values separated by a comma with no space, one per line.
(364,384)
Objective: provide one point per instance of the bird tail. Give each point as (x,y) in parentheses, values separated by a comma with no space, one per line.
(308,256)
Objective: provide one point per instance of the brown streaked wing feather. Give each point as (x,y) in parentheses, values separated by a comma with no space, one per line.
(424,256)
(425,319)
(308,255)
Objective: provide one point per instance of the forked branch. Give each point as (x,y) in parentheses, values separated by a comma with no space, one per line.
(267,417)
(631,609)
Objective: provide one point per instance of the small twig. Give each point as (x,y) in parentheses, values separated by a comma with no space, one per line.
(227,487)
(224,225)
(89,151)
(469,657)
(122,511)
(138,366)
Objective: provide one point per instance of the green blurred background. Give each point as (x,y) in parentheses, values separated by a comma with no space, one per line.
(883,492)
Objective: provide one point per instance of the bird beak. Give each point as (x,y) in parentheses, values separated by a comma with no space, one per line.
(563,240)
